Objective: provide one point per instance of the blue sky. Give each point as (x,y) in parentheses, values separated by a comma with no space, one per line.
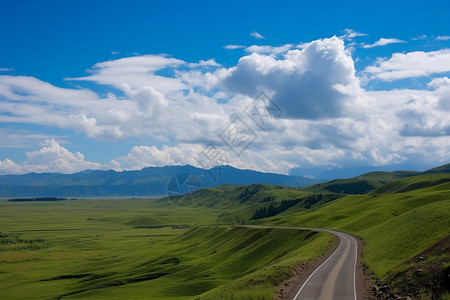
(129,84)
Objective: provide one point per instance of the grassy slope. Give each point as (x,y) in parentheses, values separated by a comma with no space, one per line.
(91,249)
(238,204)
(360,184)
(395,225)
(252,261)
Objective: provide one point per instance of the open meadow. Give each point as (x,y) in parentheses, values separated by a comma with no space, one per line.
(141,248)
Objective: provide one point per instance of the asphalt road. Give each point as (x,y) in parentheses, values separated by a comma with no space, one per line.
(335,278)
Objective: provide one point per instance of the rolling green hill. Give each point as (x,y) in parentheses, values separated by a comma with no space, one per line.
(397,214)
(361,184)
(240,204)
(397,221)
(368,182)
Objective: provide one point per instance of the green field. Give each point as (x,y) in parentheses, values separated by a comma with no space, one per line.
(141,248)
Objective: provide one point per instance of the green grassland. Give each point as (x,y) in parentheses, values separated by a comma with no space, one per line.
(141,248)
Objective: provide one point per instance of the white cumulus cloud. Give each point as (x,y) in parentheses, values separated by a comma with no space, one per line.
(312,83)
(52,157)
(411,64)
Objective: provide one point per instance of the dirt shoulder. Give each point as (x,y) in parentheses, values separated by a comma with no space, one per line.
(364,277)
(287,289)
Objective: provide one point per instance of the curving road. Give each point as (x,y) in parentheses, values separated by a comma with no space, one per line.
(335,278)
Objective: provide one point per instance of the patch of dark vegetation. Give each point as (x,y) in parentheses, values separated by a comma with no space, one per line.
(314,199)
(37,199)
(273,209)
(116,282)
(306,202)
(357,187)
(172,260)
(13,241)
(94,276)
(250,191)
(154,264)
(162,226)
(70,276)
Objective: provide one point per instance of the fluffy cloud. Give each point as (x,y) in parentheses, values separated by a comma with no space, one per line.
(437,82)
(134,72)
(390,158)
(52,157)
(9,167)
(315,82)
(413,114)
(383,42)
(442,92)
(428,115)
(412,64)
(143,111)
(30,100)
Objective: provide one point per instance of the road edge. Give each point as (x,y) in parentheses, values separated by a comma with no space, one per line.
(300,273)
(363,280)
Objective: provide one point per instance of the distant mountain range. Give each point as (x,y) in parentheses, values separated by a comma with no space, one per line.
(151,181)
